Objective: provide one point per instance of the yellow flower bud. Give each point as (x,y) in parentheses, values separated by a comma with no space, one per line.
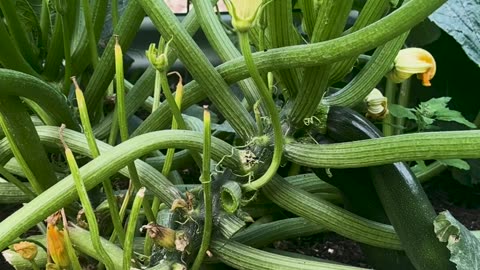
(376,105)
(243,12)
(158,59)
(27,250)
(56,246)
(413,61)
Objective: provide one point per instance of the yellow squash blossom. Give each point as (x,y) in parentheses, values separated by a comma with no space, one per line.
(243,12)
(56,246)
(413,61)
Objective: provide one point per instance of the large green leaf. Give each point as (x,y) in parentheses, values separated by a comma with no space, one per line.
(463,246)
(461,19)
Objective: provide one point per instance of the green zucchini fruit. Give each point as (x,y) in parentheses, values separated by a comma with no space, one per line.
(401,195)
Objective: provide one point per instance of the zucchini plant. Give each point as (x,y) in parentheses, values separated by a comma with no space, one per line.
(109,188)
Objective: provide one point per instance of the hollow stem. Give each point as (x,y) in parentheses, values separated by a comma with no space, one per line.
(92,144)
(123,124)
(207,192)
(272,111)
(390,94)
(89,213)
(132,222)
(92,44)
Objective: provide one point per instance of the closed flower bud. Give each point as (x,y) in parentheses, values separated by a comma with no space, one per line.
(27,250)
(376,105)
(158,59)
(413,61)
(243,12)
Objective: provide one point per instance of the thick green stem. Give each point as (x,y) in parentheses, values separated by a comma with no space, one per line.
(50,99)
(10,56)
(330,216)
(207,191)
(92,43)
(272,112)
(25,144)
(370,75)
(331,18)
(89,213)
(390,94)
(55,52)
(18,33)
(201,68)
(406,147)
(103,74)
(371,11)
(123,123)
(92,145)
(132,225)
(223,45)
(403,97)
(282,33)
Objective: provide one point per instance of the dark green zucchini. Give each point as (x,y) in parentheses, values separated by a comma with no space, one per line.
(402,196)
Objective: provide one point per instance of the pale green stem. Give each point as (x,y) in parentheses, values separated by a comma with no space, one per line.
(92,144)
(90,32)
(89,212)
(132,224)
(207,192)
(272,110)
(390,94)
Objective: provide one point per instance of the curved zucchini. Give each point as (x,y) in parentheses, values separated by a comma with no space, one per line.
(401,195)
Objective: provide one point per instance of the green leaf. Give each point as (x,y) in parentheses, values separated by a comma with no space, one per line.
(464,247)
(28,17)
(446,114)
(399,111)
(457,163)
(434,104)
(461,20)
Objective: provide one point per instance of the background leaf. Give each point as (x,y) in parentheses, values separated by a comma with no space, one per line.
(461,20)
(463,246)
(457,163)
(401,112)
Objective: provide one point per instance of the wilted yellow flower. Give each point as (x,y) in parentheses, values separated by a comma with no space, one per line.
(413,61)
(56,246)
(27,250)
(243,12)
(376,105)
(162,236)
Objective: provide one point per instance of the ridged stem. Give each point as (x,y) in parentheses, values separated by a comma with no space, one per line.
(406,147)
(281,32)
(13,180)
(330,216)
(403,98)
(123,123)
(127,28)
(370,75)
(92,43)
(18,32)
(25,144)
(205,178)
(272,113)
(92,145)
(67,35)
(55,52)
(109,162)
(371,11)
(222,44)
(244,257)
(200,68)
(10,55)
(390,94)
(131,228)
(329,24)
(89,213)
